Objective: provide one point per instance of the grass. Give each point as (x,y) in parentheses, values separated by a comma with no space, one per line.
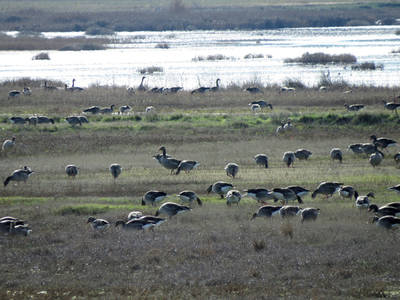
(341,255)
(323,58)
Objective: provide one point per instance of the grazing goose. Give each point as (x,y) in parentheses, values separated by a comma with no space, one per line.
(20,229)
(200,90)
(107,110)
(166,161)
(327,188)
(73,120)
(71,170)
(368,148)
(216,87)
(288,158)
(253,90)
(124,109)
(261,103)
(396,158)
(83,119)
(141,87)
(336,154)
(394,204)
(395,188)
(44,120)
(98,224)
(382,143)
(376,158)
(19,175)
(384,210)
(13,94)
(363,201)
(347,191)
(115,170)
(267,211)
(354,107)
(7,223)
(231,169)
(187,166)
(18,120)
(261,160)
(391,106)
(171,209)
(260,195)
(255,108)
(289,211)
(189,197)
(287,89)
(309,214)
(149,109)
(233,196)
(288,125)
(173,90)
(302,154)
(153,197)
(135,215)
(8,145)
(93,110)
(300,191)
(387,222)
(220,188)
(144,222)
(285,195)
(356,148)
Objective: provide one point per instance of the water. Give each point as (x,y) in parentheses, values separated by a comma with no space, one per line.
(135,50)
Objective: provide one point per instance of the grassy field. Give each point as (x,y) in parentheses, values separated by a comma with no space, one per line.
(214,251)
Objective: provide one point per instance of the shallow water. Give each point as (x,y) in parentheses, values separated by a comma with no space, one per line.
(135,50)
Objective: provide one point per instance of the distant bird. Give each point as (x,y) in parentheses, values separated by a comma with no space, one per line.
(200,90)
(287,89)
(44,120)
(261,160)
(93,110)
(20,229)
(107,110)
(253,90)
(299,191)
(280,129)
(347,191)
(387,222)
(189,197)
(363,202)
(267,211)
(285,195)
(166,161)
(220,188)
(130,90)
(376,158)
(336,154)
(255,108)
(27,91)
(309,214)
(141,87)
(231,169)
(260,194)
(124,109)
(47,87)
(396,158)
(98,224)
(156,90)
(71,170)
(395,188)
(327,188)
(288,158)
(135,215)
(14,94)
(187,166)
(83,119)
(142,223)
(8,145)
(288,125)
(261,103)
(216,87)
(149,109)
(289,211)
(115,170)
(233,197)
(383,143)
(302,154)
(171,209)
(391,106)
(19,175)
(173,90)
(73,120)
(356,148)
(368,148)
(73,88)
(18,120)
(323,88)
(153,197)
(354,107)
(384,210)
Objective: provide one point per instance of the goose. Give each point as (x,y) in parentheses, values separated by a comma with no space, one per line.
(153,197)
(327,188)
(130,90)
(166,161)
(7,223)
(98,224)
(18,120)
(280,129)
(173,90)
(47,87)
(9,218)
(336,154)
(354,107)
(135,215)
(73,120)
(216,87)
(156,90)
(71,170)
(83,119)
(73,88)
(20,229)
(141,87)
(363,201)
(171,209)
(287,89)
(33,120)
(44,120)
(220,188)
(261,103)
(382,143)
(347,191)
(368,148)
(395,188)
(323,88)
(387,222)
(302,154)
(149,109)
(266,211)
(384,210)
(260,194)
(115,170)
(288,125)
(200,90)
(233,196)
(107,110)
(144,222)
(261,160)
(285,195)
(288,158)
(27,91)
(289,211)
(13,94)
(19,175)
(253,90)
(155,220)
(391,106)
(189,196)
(394,204)
(309,214)
(187,166)
(8,145)
(300,191)
(396,158)
(356,148)
(93,110)
(124,109)
(255,108)
(376,158)
(231,169)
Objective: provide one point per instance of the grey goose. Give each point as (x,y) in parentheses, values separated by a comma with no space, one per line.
(309,214)
(231,169)
(220,188)
(266,211)
(19,175)
(285,195)
(376,158)
(387,222)
(260,194)
(363,201)
(261,103)
(347,191)
(187,166)
(71,170)
(98,224)
(261,160)
(171,209)
(391,106)
(354,107)
(289,211)
(153,197)
(356,148)
(166,161)
(382,143)
(302,154)
(326,188)
(115,170)
(288,158)
(384,210)
(93,110)
(189,197)
(336,154)
(233,197)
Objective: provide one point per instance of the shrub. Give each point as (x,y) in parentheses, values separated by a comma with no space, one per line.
(251,56)
(211,57)
(162,46)
(41,56)
(323,58)
(85,46)
(366,66)
(294,83)
(151,70)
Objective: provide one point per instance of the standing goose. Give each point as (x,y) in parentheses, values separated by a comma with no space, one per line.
(288,158)
(336,154)
(189,197)
(384,210)
(233,197)
(391,106)
(356,148)
(387,222)
(107,110)
(368,148)
(187,166)
(267,211)
(141,87)
(8,145)
(115,170)
(73,88)
(124,109)
(20,229)
(216,87)
(396,158)
(220,188)
(231,169)
(153,197)
(261,160)
(171,209)
(260,195)
(309,214)
(347,191)
(285,195)
(382,143)
(93,110)
(19,175)
(376,158)
(327,188)
(71,170)
(98,224)
(18,120)
(354,107)
(289,211)
(200,90)
(261,103)
(302,154)
(363,201)
(166,161)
